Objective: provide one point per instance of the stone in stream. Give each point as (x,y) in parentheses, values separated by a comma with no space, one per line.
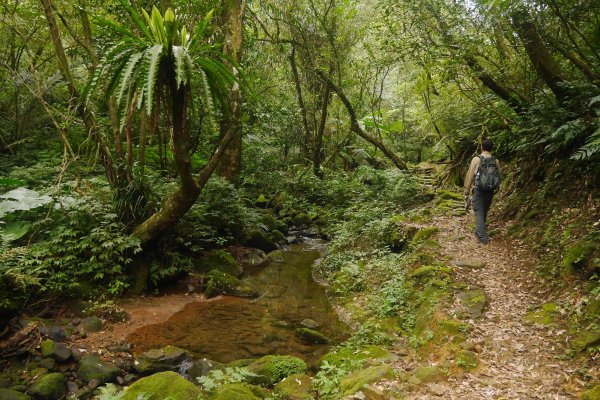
(49,387)
(295,387)
(258,239)
(220,260)
(311,336)
(167,358)
(473,302)
(161,386)
(470,263)
(57,350)
(91,367)
(202,367)
(309,323)
(9,394)
(357,380)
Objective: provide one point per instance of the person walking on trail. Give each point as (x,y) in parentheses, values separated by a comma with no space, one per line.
(484,177)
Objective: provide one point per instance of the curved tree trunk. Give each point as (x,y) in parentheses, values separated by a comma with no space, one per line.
(357,128)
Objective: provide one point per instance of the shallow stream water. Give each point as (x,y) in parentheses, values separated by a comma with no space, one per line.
(227,328)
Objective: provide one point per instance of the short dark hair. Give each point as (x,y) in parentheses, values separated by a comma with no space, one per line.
(487,145)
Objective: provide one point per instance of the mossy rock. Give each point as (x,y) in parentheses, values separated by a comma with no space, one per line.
(344,355)
(592,394)
(91,324)
(430,270)
(448,195)
(92,367)
(585,340)
(217,282)
(277,237)
(356,381)
(161,386)
(311,336)
(258,239)
(202,367)
(295,387)
(9,394)
(577,257)
(276,256)
(430,374)
(49,387)
(547,315)
(473,301)
(272,369)
(262,201)
(424,234)
(238,391)
(300,220)
(58,351)
(220,260)
(454,327)
(268,221)
(467,359)
(167,358)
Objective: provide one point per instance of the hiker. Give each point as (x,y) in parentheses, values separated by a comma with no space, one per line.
(484,177)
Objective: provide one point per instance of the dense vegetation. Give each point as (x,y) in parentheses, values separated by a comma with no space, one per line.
(136,137)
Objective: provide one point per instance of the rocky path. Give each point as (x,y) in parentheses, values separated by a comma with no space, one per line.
(518,359)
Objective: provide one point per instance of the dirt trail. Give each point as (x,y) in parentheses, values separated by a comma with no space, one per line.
(518,360)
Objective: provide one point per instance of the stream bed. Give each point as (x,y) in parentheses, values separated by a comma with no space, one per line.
(228,328)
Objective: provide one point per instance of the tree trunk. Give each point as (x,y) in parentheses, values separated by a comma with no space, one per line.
(300,99)
(357,128)
(325,98)
(232,158)
(539,55)
(82,110)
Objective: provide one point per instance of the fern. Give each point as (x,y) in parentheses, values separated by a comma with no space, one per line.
(589,149)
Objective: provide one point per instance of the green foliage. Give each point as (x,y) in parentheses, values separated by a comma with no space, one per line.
(327,381)
(218,377)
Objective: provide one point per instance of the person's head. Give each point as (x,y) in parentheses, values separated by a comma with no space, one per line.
(487,145)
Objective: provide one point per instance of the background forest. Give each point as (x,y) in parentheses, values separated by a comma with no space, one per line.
(136,136)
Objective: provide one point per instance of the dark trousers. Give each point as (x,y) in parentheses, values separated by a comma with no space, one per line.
(481,205)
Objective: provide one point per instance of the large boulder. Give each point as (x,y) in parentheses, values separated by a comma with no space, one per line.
(258,239)
(9,394)
(161,386)
(92,367)
(473,302)
(272,369)
(220,260)
(168,358)
(585,340)
(357,380)
(295,387)
(430,374)
(49,387)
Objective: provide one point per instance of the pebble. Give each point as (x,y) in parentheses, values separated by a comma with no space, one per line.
(93,384)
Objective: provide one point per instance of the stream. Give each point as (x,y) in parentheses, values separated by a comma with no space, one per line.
(228,328)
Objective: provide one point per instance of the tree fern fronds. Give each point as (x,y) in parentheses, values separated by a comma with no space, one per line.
(136,18)
(127,73)
(153,55)
(207,99)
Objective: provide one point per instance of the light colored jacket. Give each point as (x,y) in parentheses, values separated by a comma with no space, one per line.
(470,178)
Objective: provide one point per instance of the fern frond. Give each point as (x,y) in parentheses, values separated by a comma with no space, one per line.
(127,73)
(153,55)
(589,149)
(207,99)
(179,54)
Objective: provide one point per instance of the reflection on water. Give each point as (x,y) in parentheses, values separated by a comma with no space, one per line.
(230,328)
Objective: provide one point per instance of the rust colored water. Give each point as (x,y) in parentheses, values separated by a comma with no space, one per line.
(230,328)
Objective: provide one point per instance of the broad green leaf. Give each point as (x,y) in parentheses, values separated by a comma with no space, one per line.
(14,230)
(153,65)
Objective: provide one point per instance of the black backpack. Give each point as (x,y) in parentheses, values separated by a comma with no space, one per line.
(487,177)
